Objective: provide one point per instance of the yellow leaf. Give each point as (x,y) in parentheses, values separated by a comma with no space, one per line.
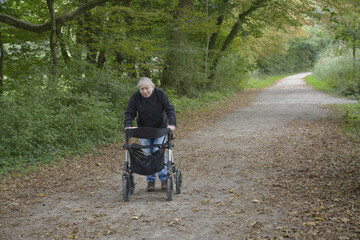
(78,210)
(196,209)
(255,201)
(309,223)
(230,190)
(73,237)
(135,217)
(41,195)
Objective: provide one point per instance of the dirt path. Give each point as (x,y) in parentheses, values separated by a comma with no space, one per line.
(277,168)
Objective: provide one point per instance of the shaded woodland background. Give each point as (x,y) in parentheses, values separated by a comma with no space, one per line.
(68,68)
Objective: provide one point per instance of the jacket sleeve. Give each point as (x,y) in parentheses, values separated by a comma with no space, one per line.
(131,112)
(169,109)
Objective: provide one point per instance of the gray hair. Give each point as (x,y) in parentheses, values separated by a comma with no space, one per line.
(145,81)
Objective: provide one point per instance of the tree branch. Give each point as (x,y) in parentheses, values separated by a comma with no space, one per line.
(44,27)
(236,28)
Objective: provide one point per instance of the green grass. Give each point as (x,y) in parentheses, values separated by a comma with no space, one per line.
(320,85)
(264,83)
(351,123)
(351,112)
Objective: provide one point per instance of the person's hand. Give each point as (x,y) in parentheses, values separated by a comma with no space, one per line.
(173,128)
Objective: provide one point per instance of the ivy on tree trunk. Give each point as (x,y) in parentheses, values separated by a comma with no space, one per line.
(53,59)
(2,57)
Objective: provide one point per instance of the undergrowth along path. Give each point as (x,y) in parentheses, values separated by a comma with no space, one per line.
(275,167)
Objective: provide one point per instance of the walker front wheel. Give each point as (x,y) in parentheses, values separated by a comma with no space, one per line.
(169,189)
(126,189)
(178,181)
(132,183)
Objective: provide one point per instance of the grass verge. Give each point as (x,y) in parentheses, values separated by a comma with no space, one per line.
(261,83)
(351,112)
(351,119)
(317,84)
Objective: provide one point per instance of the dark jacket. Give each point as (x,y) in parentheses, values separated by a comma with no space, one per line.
(155,111)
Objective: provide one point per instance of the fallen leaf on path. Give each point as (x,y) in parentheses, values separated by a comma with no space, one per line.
(309,223)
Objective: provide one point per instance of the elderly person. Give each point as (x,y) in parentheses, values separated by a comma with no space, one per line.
(153,109)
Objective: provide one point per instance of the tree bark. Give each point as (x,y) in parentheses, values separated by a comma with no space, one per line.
(2,58)
(40,28)
(101,59)
(64,52)
(354,48)
(215,35)
(53,58)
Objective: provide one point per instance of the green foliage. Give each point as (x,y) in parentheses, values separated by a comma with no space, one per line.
(231,73)
(301,54)
(184,103)
(340,72)
(43,121)
(297,54)
(351,118)
(255,82)
(343,20)
(324,86)
(185,74)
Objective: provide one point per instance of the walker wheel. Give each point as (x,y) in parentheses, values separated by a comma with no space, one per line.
(169,189)
(178,181)
(126,189)
(132,183)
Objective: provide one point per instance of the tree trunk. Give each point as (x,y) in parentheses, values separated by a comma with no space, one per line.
(215,35)
(236,29)
(64,53)
(354,49)
(101,59)
(53,65)
(2,57)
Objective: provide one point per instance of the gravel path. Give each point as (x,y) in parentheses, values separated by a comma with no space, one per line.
(275,169)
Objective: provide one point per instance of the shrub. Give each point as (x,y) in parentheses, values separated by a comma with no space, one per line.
(341,72)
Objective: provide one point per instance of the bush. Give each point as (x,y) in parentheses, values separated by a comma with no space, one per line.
(42,121)
(341,72)
(230,74)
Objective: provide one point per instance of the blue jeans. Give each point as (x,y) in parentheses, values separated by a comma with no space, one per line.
(163,173)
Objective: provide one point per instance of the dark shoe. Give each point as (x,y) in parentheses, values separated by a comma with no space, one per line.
(150,187)
(164,185)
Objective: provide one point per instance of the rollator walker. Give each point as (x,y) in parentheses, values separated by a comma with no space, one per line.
(137,161)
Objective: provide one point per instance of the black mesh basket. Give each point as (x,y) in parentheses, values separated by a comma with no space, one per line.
(146,164)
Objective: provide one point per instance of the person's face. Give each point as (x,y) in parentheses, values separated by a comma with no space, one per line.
(146,90)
